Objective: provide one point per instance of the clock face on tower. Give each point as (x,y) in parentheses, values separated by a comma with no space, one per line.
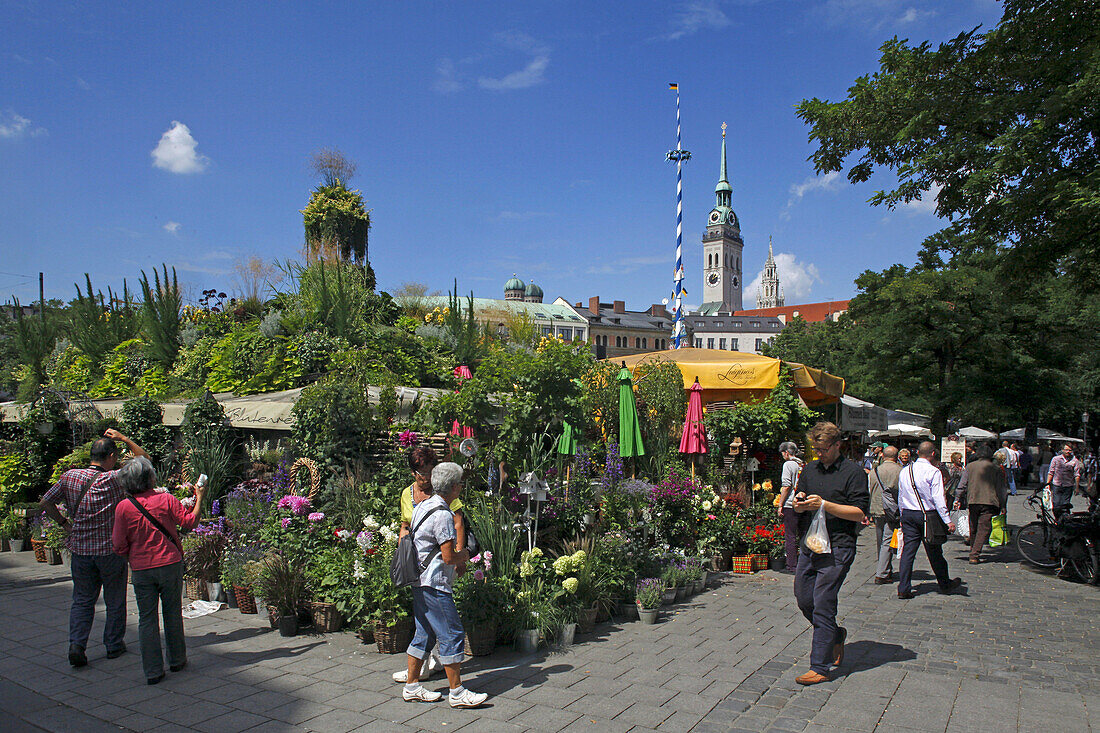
(732,218)
(735,281)
(714,216)
(713,278)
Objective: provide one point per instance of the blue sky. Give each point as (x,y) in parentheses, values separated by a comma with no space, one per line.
(491,138)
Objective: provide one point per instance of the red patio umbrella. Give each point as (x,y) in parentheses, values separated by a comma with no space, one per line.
(463,373)
(694,439)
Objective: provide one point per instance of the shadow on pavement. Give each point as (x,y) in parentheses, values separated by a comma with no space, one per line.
(860,656)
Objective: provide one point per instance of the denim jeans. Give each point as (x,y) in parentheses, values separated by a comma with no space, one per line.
(912,530)
(90,574)
(817,584)
(1010,476)
(437,620)
(1061,497)
(161,587)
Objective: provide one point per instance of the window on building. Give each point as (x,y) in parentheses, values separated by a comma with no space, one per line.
(759,345)
(737,324)
(698,343)
(733,344)
(644,344)
(755,324)
(546,331)
(565,333)
(637,342)
(710,343)
(722,344)
(718,324)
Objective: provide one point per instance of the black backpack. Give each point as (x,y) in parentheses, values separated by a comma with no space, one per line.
(405,568)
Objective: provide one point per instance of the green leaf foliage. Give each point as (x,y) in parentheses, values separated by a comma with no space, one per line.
(336,220)
(161,311)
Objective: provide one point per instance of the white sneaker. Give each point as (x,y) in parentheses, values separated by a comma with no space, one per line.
(467,699)
(432,669)
(421,694)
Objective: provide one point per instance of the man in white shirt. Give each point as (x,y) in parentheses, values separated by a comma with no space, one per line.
(1010,461)
(920,489)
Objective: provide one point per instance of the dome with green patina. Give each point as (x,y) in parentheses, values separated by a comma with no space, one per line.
(514,283)
(533,291)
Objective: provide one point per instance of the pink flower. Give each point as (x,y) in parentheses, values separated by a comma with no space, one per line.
(711,516)
(286,522)
(316,516)
(488,555)
(476,558)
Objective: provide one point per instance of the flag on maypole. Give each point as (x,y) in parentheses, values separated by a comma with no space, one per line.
(679,155)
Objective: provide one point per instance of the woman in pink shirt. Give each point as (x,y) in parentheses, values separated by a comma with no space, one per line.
(145,532)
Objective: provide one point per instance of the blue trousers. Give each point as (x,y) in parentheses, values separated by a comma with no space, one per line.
(437,619)
(160,587)
(817,581)
(912,530)
(90,574)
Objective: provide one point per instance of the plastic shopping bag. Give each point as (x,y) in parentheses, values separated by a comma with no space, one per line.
(817,536)
(961,518)
(999,535)
(895,539)
(900,537)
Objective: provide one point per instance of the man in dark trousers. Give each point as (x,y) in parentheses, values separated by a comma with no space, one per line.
(838,486)
(920,493)
(90,495)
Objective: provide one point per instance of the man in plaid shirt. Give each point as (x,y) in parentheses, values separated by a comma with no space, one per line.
(90,495)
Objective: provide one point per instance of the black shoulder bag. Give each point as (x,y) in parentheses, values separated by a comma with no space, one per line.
(171,538)
(935,531)
(405,568)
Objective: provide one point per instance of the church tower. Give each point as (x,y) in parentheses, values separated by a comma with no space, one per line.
(771,292)
(722,245)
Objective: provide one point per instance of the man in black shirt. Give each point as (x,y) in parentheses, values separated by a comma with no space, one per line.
(839,487)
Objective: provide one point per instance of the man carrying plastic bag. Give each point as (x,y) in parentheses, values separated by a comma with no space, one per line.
(832,500)
(984,490)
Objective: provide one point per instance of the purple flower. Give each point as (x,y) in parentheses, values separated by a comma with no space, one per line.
(216,508)
(407,439)
(316,516)
(297,504)
(285,522)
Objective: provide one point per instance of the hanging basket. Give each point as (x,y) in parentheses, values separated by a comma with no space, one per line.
(196,589)
(741,565)
(481,640)
(39,547)
(326,618)
(314,475)
(246,602)
(393,639)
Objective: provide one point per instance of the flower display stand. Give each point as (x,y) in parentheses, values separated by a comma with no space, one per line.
(741,565)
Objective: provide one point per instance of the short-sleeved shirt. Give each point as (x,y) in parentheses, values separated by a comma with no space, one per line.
(437,529)
(843,482)
(789,477)
(94,518)
(407,505)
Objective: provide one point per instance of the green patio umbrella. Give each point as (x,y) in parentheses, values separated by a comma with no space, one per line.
(567,444)
(630,433)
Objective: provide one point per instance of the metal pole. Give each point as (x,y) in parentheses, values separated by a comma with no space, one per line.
(679,155)
(42,296)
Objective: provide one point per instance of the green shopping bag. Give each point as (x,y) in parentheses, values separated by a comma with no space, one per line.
(999,535)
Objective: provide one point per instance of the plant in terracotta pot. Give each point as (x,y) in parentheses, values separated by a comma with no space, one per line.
(236,577)
(54,537)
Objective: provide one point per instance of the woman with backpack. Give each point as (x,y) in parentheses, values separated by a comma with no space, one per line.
(439,549)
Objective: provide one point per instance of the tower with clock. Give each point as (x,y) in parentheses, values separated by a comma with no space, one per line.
(722,245)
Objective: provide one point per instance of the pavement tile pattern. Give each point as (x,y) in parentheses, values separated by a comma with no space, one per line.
(1017,651)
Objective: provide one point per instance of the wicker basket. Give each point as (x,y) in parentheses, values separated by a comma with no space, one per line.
(759,562)
(481,640)
(196,589)
(586,620)
(366,633)
(393,639)
(326,618)
(246,602)
(314,474)
(39,547)
(742,565)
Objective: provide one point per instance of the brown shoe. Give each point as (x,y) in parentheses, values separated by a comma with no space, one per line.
(838,648)
(811,678)
(883,581)
(975,562)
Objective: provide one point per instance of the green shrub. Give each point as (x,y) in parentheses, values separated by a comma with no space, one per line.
(333,423)
(142,419)
(16,482)
(124,371)
(79,458)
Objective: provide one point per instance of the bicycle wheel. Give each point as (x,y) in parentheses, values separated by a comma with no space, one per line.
(1084,561)
(1031,543)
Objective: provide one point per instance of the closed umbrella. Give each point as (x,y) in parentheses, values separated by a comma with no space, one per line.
(694,439)
(630,433)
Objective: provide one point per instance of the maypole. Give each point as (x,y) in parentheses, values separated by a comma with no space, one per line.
(679,155)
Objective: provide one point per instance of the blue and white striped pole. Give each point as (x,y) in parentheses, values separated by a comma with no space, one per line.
(679,155)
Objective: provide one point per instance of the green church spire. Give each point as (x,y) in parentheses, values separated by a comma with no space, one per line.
(723,191)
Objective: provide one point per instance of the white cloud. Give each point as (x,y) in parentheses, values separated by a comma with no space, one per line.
(176,151)
(873,14)
(926,204)
(14,126)
(446,79)
(795,278)
(828,182)
(83,84)
(697,15)
(530,75)
(172,227)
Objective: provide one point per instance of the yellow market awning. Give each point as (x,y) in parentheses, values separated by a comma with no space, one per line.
(735,376)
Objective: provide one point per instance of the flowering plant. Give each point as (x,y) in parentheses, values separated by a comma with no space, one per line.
(649,592)
(763,539)
(479,597)
(408,439)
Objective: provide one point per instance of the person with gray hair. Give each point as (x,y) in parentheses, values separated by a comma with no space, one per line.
(440,549)
(883,482)
(145,531)
(792,466)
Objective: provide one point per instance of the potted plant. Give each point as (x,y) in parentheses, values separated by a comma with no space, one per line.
(479,599)
(283,585)
(205,559)
(758,539)
(649,594)
(194,588)
(38,537)
(330,579)
(18,537)
(9,530)
(54,537)
(233,571)
(245,589)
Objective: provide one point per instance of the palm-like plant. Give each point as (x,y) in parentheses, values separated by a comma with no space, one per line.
(161,314)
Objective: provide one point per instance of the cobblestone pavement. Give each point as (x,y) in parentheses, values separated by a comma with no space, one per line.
(1018,651)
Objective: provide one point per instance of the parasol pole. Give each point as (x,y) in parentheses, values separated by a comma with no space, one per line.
(679,155)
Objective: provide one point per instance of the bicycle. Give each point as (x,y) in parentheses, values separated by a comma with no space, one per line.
(1068,541)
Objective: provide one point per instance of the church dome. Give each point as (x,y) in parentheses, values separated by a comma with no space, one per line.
(533,291)
(514,283)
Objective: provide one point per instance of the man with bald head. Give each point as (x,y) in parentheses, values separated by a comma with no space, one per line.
(883,482)
(920,494)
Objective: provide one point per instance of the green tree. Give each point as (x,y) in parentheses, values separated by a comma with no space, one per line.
(1000,127)
(161,309)
(336,221)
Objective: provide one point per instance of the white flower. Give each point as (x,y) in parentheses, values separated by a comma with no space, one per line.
(188,501)
(707,506)
(370,522)
(359,572)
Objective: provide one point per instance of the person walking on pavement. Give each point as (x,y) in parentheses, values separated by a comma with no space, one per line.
(838,486)
(792,466)
(984,490)
(90,495)
(1026,462)
(1008,461)
(883,483)
(1064,476)
(146,534)
(920,493)
(903,457)
(1046,454)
